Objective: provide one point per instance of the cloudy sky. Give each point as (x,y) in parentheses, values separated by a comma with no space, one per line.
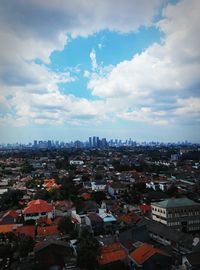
(111,68)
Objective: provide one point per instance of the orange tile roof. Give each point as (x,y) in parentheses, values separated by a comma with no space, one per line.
(6,228)
(144,252)
(38,206)
(111,253)
(48,230)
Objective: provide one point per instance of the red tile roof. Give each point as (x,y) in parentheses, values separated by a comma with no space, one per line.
(145,208)
(47,230)
(57,220)
(128,218)
(86,196)
(27,230)
(144,252)
(111,253)
(45,220)
(12,213)
(38,206)
(51,183)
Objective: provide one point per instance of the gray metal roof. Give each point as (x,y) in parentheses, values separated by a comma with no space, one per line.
(171,203)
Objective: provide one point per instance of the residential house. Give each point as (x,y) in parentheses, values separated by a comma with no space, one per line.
(147,257)
(99,185)
(109,221)
(117,189)
(168,236)
(95,222)
(37,209)
(51,253)
(112,256)
(9,217)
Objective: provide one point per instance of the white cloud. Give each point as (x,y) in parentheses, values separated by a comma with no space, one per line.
(33,30)
(93,59)
(132,90)
(100,46)
(172,67)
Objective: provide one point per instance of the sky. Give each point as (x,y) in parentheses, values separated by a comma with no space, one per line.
(110,68)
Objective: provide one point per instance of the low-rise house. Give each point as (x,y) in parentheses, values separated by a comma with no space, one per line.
(43,231)
(50,184)
(37,209)
(99,185)
(145,208)
(128,219)
(168,236)
(51,253)
(27,230)
(9,217)
(95,222)
(112,255)
(158,185)
(109,221)
(147,257)
(117,189)
(76,162)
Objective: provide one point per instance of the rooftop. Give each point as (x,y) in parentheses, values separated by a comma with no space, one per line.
(111,253)
(144,252)
(38,206)
(171,203)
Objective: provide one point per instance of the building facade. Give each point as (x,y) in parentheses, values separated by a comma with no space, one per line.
(181,214)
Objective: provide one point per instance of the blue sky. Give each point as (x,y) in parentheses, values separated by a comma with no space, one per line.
(115,69)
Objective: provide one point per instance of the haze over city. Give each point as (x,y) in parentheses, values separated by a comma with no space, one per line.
(114,69)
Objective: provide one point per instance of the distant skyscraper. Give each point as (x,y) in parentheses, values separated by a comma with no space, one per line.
(104,142)
(97,142)
(35,143)
(49,144)
(90,141)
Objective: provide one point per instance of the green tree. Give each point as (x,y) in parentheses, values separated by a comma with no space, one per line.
(88,251)
(25,245)
(98,196)
(66,226)
(5,251)
(26,167)
(10,199)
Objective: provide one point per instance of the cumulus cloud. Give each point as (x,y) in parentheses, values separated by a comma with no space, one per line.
(32,30)
(159,86)
(170,67)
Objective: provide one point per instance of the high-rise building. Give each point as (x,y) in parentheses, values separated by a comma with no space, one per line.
(103,142)
(90,141)
(49,144)
(94,143)
(98,142)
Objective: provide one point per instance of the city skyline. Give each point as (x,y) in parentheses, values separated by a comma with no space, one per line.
(125,69)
